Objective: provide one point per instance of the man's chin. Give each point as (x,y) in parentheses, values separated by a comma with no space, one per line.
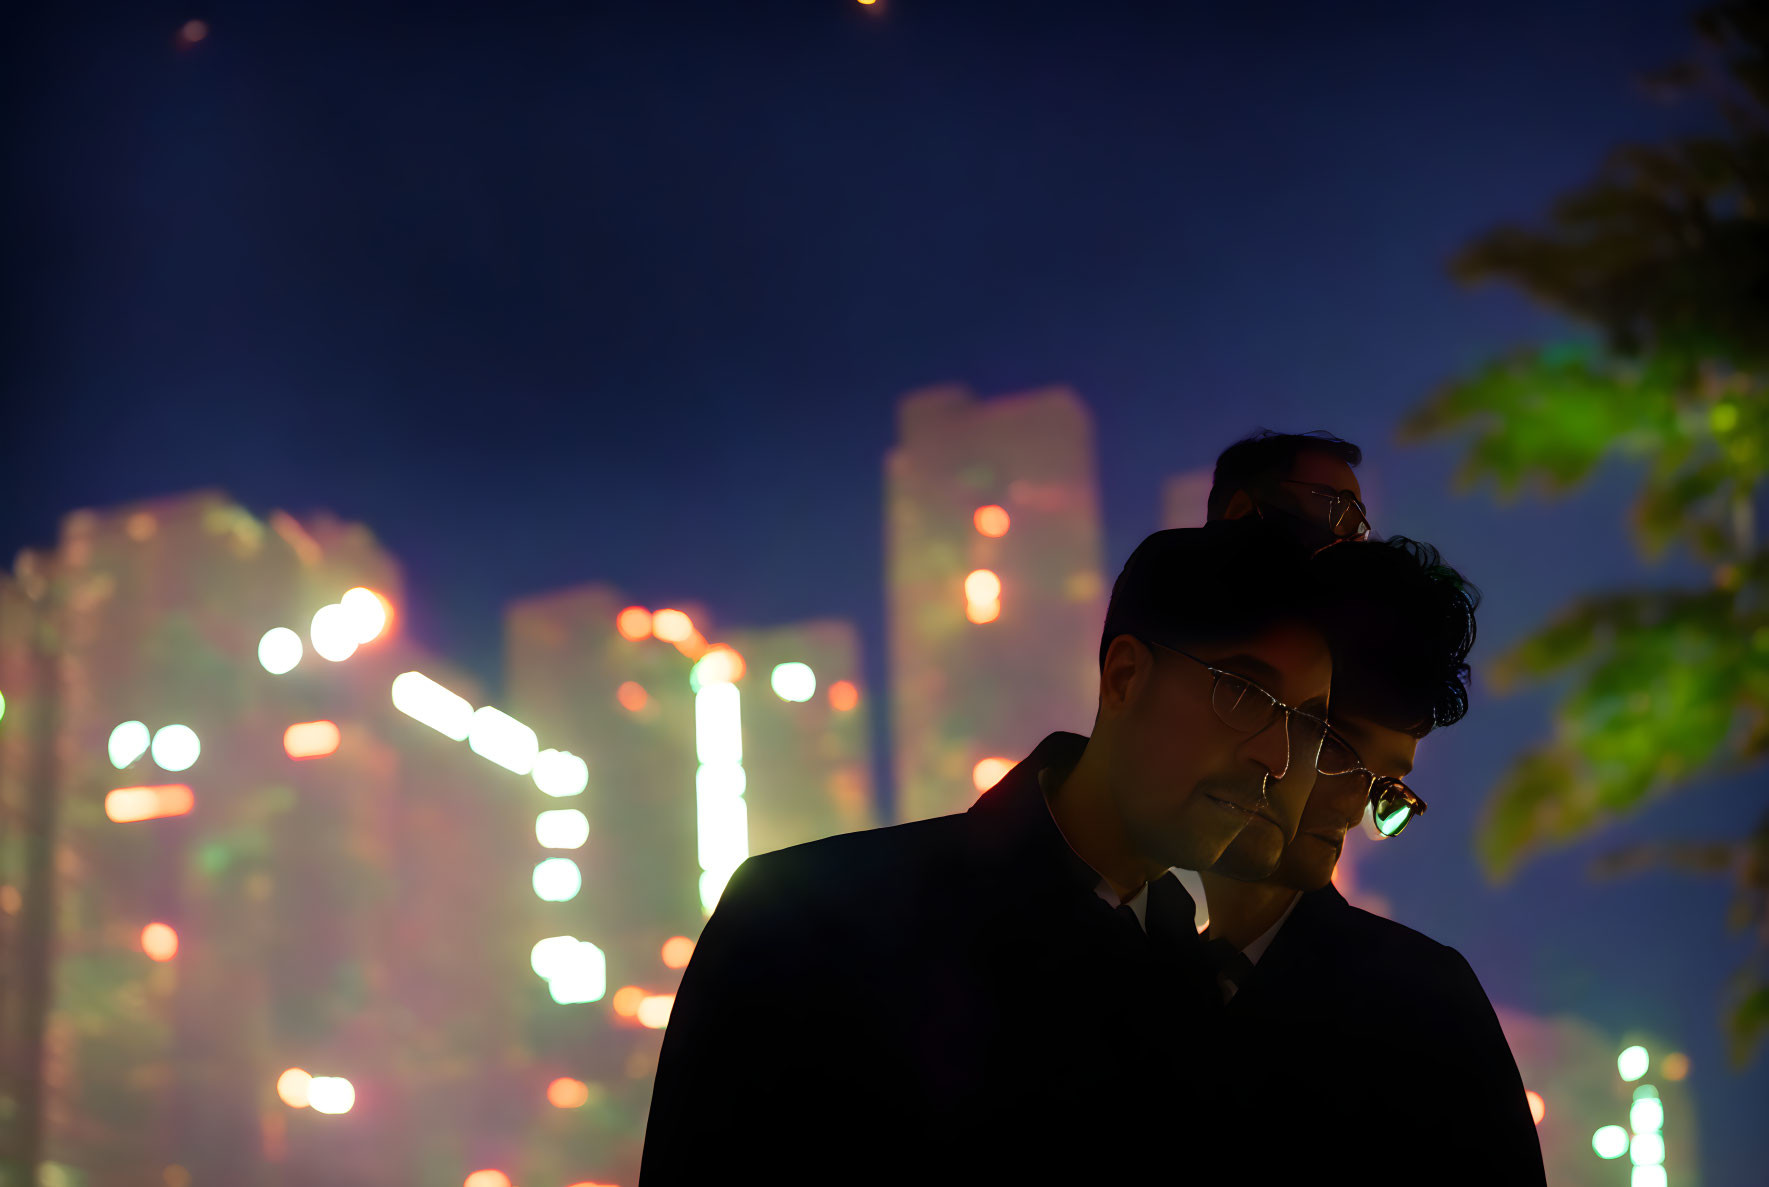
(1246,865)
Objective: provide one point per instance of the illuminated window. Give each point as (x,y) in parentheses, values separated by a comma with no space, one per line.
(293,1087)
(633,623)
(626,1001)
(365,613)
(504,740)
(1632,1063)
(561,773)
(557,880)
(129,742)
(280,650)
(176,747)
(421,698)
(843,696)
(1538,1108)
(672,626)
(992,521)
(988,772)
(159,941)
(333,633)
(566,1093)
(330,1094)
(1610,1142)
(793,682)
(311,739)
(632,696)
(562,828)
(654,1011)
(128,804)
(677,951)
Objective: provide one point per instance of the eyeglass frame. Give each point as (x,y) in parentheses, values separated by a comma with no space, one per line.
(1288,711)
(1334,499)
(1379,784)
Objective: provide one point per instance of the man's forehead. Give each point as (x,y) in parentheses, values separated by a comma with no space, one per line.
(1285,651)
(1385,751)
(1314,465)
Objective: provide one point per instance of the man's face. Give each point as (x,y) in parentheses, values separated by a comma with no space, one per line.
(1338,801)
(1301,498)
(1187,783)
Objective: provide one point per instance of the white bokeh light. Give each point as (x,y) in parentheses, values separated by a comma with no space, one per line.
(176,748)
(330,1094)
(365,612)
(1632,1063)
(561,773)
(333,636)
(793,682)
(280,650)
(557,880)
(504,740)
(562,828)
(421,698)
(1610,1142)
(129,742)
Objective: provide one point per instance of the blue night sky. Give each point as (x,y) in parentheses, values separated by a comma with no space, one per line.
(546,294)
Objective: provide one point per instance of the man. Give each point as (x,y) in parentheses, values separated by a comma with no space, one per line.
(1300,481)
(1372,1048)
(1016,993)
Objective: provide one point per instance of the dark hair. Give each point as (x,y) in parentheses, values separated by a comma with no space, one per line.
(1226,580)
(1400,623)
(1254,463)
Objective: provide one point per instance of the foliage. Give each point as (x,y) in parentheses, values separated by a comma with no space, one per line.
(1665,256)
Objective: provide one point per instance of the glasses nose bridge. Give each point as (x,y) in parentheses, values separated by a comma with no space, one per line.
(1280,716)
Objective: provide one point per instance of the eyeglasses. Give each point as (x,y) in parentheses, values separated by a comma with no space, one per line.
(1346,517)
(1244,706)
(1392,803)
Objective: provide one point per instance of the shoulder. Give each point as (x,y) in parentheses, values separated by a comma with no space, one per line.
(1367,945)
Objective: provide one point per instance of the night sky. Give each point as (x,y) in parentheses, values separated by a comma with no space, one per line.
(546,294)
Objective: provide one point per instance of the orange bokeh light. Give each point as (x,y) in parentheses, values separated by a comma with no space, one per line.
(311,739)
(677,950)
(988,772)
(566,1093)
(654,1011)
(843,696)
(992,521)
(982,586)
(194,31)
(1538,1108)
(633,623)
(487,1179)
(672,626)
(128,804)
(159,941)
(694,646)
(626,1001)
(1675,1066)
(982,612)
(722,665)
(632,696)
(292,1086)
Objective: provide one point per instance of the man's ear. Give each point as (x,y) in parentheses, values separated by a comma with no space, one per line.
(1240,505)
(1127,669)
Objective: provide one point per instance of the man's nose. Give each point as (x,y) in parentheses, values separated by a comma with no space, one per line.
(1270,747)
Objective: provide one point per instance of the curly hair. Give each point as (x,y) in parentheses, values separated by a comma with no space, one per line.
(1400,622)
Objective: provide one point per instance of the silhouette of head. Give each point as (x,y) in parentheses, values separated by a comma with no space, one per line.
(1303,481)
(1187,751)
(1400,624)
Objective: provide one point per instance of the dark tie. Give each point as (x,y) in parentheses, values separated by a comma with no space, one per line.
(1228,962)
(1173,929)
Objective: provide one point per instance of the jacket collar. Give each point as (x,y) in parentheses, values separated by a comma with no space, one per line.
(1013,826)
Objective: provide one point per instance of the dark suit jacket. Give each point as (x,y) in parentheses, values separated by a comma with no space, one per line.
(942,1001)
(1370,1048)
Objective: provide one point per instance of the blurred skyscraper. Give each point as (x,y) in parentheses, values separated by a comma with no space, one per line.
(995,590)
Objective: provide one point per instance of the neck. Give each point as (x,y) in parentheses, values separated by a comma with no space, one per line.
(1083,810)
(1241,912)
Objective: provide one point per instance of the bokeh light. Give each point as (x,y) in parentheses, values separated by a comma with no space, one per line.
(567,1093)
(992,521)
(579,974)
(677,951)
(192,32)
(497,736)
(654,1011)
(292,1086)
(129,741)
(557,880)
(331,1094)
(1648,1176)
(982,612)
(721,664)
(1632,1063)
(794,682)
(982,586)
(159,941)
(550,957)
(562,828)
(128,804)
(1675,1066)
(632,696)
(176,747)
(311,739)
(633,623)
(1646,1115)
(487,1178)
(672,626)
(844,695)
(1647,1149)
(626,1001)
(280,650)
(561,773)
(333,633)
(988,772)
(365,611)
(422,699)
(1538,1108)
(1610,1142)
